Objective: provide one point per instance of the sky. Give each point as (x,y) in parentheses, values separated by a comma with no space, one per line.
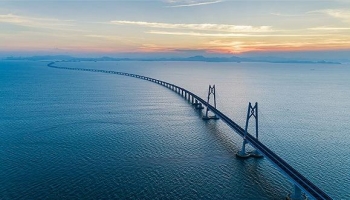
(174,27)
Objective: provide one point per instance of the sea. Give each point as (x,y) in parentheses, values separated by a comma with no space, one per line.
(68,134)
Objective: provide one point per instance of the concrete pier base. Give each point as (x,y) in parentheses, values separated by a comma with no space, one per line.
(254,154)
(241,154)
(210,117)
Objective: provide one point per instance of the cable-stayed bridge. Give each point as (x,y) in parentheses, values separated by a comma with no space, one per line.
(301,183)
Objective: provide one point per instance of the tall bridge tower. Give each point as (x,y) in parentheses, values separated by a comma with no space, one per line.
(252,112)
(211,92)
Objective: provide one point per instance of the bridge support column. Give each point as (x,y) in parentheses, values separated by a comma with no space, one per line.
(252,112)
(297,193)
(197,105)
(211,91)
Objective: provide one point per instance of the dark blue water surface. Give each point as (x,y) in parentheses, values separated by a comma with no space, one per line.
(83,135)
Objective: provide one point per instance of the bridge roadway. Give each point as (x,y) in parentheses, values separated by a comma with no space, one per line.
(302,182)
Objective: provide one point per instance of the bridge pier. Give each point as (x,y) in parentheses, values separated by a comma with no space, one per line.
(297,195)
(211,91)
(252,112)
(197,105)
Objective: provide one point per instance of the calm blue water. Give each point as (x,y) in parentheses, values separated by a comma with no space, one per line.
(83,135)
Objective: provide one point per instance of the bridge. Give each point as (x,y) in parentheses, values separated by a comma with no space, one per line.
(301,183)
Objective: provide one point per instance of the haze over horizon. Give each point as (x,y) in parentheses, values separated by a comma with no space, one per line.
(176,28)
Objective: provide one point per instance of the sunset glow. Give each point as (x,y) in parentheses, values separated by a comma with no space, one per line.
(172,26)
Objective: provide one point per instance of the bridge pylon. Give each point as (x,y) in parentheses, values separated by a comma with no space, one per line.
(252,112)
(211,91)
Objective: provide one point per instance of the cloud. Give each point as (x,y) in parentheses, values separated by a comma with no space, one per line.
(257,44)
(204,27)
(195,4)
(46,23)
(287,15)
(344,15)
(199,34)
(106,37)
(238,46)
(113,38)
(154,48)
(325,28)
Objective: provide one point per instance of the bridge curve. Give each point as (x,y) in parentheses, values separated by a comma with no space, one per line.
(294,176)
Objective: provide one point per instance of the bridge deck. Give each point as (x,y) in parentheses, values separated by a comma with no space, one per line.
(306,185)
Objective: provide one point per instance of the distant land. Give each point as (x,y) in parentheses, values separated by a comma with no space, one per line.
(198,58)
